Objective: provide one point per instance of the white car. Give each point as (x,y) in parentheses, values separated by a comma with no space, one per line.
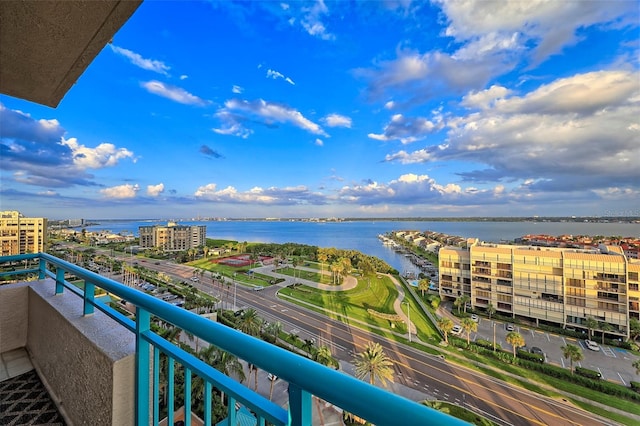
(475,318)
(511,327)
(456,330)
(592,345)
(272,377)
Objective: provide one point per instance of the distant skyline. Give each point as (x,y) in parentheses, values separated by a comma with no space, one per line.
(341,109)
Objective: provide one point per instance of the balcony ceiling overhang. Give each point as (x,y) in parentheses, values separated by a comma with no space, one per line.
(46,45)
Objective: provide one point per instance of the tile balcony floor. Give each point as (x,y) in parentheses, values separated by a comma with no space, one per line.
(23,398)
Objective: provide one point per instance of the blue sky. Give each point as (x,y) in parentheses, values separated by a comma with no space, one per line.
(341,109)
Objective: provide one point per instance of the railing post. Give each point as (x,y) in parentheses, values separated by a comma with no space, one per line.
(42,269)
(89,294)
(300,410)
(142,367)
(59,280)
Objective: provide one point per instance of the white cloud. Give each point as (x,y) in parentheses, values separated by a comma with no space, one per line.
(237,89)
(575,133)
(137,60)
(121,191)
(337,120)
(276,75)
(104,155)
(184,77)
(174,93)
(269,112)
(155,190)
(406,129)
(311,20)
(547,25)
(270,196)
(319,142)
(485,98)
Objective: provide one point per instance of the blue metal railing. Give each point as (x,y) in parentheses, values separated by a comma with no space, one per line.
(306,378)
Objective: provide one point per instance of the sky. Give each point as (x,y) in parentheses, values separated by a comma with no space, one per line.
(313,109)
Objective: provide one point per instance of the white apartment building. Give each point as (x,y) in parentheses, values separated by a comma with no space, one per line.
(173,237)
(21,235)
(556,286)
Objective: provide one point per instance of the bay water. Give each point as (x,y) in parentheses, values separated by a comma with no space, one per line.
(362,235)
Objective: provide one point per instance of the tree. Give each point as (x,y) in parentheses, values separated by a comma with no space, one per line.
(324,356)
(446,325)
(634,329)
(605,327)
(465,299)
(516,340)
(423,285)
(374,364)
(491,310)
(322,256)
(295,262)
(591,323)
(250,323)
(273,330)
(461,301)
(469,325)
(636,365)
(223,361)
(573,353)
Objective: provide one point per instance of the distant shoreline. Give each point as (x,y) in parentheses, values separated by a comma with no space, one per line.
(582,219)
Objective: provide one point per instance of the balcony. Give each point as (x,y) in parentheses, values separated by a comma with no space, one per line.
(101,367)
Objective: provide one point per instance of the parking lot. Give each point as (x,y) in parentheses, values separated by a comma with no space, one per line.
(613,363)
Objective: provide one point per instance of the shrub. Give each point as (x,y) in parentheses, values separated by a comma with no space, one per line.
(530,357)
(635,386)
(585,372)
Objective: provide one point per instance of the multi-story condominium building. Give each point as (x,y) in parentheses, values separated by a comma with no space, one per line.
(21,235)
(546,285)
(173,237)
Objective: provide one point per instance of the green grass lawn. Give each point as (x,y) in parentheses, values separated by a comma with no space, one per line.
(317,277)
(377,294)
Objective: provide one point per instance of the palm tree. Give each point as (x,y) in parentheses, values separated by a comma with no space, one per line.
(461,301)
(469,325)
(295,262)
(273,330)
(423,285)
(634,329)
(223,361)
(591,323)
(491,310)
(322,257)
(636,365)
(436,405)
(573,353)
(446,325)
(516,340)
(605,327)
(250,323)
(374,364)
(323,356)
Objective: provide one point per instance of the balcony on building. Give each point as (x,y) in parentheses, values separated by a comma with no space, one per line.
(102,367)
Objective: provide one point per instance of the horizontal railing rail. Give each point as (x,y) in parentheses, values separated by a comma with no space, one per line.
(306,378)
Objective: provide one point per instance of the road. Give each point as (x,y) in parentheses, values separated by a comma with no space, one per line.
(430,375)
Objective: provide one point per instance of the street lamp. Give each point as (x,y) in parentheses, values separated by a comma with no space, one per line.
(494,336)
(409,319)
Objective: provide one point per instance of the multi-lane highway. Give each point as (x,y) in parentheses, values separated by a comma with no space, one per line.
(423,372)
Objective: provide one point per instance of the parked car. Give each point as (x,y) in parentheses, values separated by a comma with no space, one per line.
(272,377)
(475,318)
(591,345)
(511,327)
(536,350)
(456,330)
